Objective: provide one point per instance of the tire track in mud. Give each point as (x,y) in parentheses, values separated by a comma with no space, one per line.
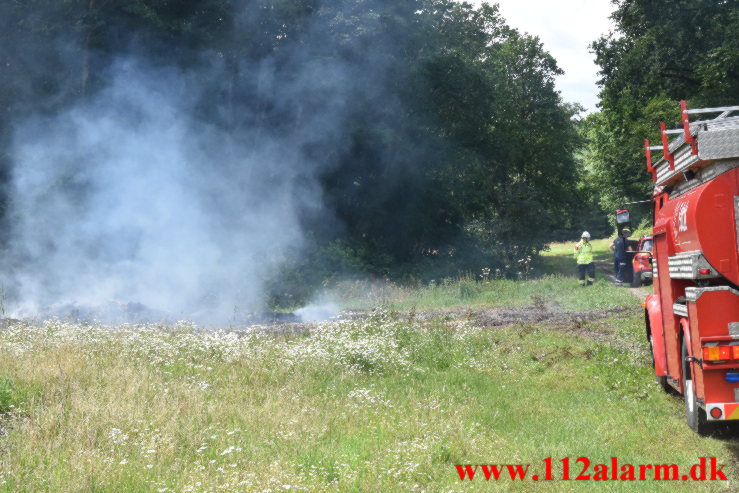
(575,322)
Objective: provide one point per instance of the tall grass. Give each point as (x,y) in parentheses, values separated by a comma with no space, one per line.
(385,402)
(553,282)
(555,290)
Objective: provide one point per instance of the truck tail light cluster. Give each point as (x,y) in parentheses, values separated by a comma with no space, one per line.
(720,353)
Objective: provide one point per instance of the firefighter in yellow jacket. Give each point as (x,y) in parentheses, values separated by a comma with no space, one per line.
(584,257)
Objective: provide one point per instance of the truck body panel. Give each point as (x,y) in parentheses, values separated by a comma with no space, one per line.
(656,334)
(693,315)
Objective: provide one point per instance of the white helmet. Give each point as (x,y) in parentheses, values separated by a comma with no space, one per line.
(585,234)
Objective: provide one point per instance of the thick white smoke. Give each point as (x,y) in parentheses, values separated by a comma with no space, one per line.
(130,196)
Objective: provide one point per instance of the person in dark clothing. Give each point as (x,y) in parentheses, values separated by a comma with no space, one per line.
(619,246)
(613,249)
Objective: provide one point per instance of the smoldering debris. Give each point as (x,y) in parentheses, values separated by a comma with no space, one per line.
(117,312)
(108,313)
(309,314)
(317,312)
(270,318)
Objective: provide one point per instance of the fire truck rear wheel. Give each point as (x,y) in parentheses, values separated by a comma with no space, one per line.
(696,415)
(636,281)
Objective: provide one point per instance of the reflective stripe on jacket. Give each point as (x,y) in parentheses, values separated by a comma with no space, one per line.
(584,253)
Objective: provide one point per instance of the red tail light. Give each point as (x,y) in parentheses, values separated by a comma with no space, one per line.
(720,353)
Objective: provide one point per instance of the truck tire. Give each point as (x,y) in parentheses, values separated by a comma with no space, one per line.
(696,415)
(636,281)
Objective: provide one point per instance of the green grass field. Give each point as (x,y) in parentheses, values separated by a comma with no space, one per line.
(388,401)
(552,281)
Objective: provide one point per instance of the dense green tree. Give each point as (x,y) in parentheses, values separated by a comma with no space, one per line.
(661,52)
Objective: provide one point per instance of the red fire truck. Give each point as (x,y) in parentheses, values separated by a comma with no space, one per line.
(692,319)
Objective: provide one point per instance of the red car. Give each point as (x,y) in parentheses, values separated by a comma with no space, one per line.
(642,262)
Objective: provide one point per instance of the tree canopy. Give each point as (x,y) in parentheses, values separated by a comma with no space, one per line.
(660,53)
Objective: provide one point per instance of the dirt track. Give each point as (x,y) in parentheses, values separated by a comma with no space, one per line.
(536,313)
(604,268)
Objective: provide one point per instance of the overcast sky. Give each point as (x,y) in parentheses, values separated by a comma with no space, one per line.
(566,28)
